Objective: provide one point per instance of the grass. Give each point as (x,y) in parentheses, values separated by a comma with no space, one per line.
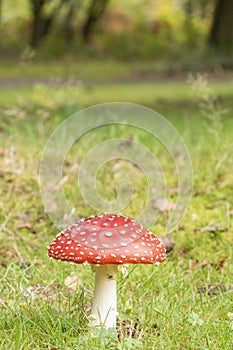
(187,302)
(82,69)
(156,94)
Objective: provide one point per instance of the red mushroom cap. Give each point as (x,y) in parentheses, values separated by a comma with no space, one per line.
(107,239)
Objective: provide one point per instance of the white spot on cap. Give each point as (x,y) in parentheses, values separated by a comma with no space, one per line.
(122,232)
(108,234)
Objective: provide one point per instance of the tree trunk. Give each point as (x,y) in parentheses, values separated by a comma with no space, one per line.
(37,7)
(41,23)
(68,29)
(94,13)
(221,33)
(0,11)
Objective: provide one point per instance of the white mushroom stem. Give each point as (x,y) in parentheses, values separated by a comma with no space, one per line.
(104,308)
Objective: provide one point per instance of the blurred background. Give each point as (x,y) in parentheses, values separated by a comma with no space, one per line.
(166,36)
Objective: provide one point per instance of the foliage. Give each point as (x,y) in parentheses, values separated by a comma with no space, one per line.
(143,28)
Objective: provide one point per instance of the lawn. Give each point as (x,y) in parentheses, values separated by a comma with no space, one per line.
(187,302)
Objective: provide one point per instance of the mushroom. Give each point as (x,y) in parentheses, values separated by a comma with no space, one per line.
(106,241)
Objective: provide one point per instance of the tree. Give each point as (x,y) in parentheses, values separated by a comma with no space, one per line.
(68,21)
(221,32)
(94,13)
(41,22)
(45,12)
(0,10)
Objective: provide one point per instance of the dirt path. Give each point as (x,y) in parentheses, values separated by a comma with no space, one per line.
(137,78)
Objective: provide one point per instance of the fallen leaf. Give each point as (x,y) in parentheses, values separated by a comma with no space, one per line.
(198,193)
(163,205)
(73,281)
(26,225)
(6,256)
(193,263)
(220,264)
(125,143)
(168,242)
(126,328)
(2,152)
(211,289)
(214,228)
(45,292)
(174,190)
(205,263)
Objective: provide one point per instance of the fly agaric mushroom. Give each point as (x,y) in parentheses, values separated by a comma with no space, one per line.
(107,241)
